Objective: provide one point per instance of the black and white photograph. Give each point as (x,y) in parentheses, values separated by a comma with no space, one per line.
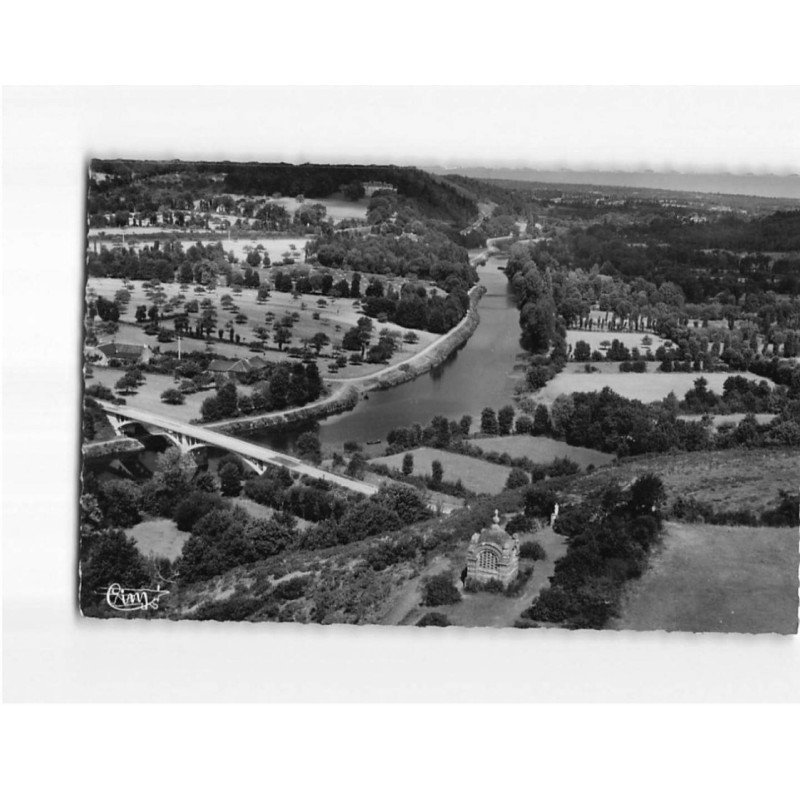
(479,397)
(395,398)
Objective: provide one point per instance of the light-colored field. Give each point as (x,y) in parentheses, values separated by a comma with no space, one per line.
(717,578)
(541,449)
(335,319)
(159,537)
(630,340)
(148,395)
(476,474)
(647,387)
(337,209)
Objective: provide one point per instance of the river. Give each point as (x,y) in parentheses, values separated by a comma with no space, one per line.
(479,374)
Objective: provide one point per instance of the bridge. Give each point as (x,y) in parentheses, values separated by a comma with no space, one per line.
(188,437)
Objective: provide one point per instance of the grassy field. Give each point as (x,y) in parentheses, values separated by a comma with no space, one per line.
(478,475)
(159,537)
(148,395)
(728,479)
(647,388)
(541,449)
(335,319)
(630,340)
(717,578)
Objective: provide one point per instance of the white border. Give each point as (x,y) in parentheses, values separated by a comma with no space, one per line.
(51,654)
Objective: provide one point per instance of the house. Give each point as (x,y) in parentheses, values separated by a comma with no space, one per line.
(236,369)
(493,555)
(117,351)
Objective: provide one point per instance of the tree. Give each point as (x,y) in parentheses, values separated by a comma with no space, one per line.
(127,384)
(113,559)
(282,336)
(539,501)
(230,480)
(464,424)
(517,478)
(120,501)
(438,590)
(582,351)
(357,466)
(309,447)
(505,419)
(541,421)
(408,464)
(489,421)
(320,340)
(437,473)
(173,397)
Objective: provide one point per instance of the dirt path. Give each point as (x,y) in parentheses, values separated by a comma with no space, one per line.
(407,601)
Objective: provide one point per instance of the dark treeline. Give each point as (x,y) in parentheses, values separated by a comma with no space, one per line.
(429,255)
(274,387)
(609,536)
(129,185)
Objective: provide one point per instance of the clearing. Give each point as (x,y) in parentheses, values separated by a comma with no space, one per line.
(159,537)
(630,340)
(148,395)
(541,449)
(717,578)
(648,387)
(476,474)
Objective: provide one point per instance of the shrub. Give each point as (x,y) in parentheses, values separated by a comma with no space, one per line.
(173,397)
(515,587)
(293,589)
(539,502)
(434,618)
(438,590)
(519,524)
(532,550)
(517,478)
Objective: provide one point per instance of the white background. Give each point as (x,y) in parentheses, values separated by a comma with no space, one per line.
(48,135)
(50,654)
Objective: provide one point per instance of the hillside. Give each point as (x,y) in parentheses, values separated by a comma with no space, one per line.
(728,479)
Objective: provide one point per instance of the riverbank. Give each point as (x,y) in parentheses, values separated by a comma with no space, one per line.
(347,394)
(435,354)
(118,446)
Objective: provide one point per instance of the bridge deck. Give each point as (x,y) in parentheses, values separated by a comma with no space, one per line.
(240,447)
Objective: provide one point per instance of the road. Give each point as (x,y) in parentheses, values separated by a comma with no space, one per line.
(238,446)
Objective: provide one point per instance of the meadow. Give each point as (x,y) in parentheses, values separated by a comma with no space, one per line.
(717,578)
(476,474)
(158,537)
(648,387)
(148,395)
(541,449)
(728,479)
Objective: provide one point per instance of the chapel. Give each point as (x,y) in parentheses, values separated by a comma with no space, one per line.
(493,554)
